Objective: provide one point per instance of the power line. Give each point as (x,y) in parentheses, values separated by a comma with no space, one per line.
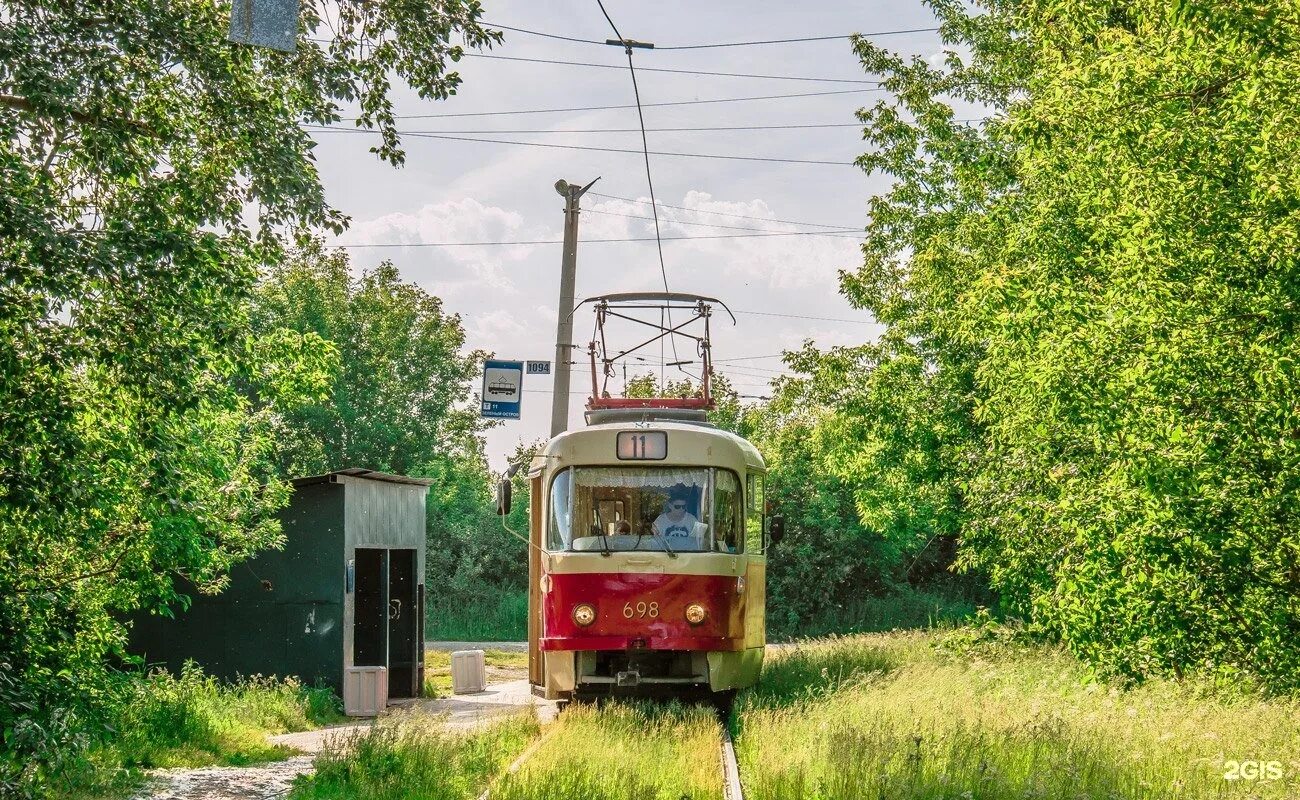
(747,358)
(698,224)
(828,234)
(592,148)
(712,45)
(801,316)
(539,33)
(651,130)
(673,71)
(722,214)
(798,39)
(629,105)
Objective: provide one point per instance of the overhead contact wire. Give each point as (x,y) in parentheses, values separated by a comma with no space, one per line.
(562,62)
(619,107)
(645,148)
(795,40)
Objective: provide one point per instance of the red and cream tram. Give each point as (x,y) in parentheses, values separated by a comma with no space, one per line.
(648,535)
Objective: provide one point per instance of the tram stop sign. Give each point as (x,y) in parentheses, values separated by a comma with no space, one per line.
(502,388)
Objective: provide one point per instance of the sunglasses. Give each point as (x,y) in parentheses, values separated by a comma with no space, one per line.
(677,505)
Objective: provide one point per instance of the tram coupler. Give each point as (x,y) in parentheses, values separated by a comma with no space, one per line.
(627,678)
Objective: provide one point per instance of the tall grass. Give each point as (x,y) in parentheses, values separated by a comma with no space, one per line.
(161,720)
(895,716)
(503,618)
(620,752)
(414,756)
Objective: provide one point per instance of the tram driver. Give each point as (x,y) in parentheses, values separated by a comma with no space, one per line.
(676,522)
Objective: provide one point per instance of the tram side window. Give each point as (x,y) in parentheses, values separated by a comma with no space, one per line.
(754,513)
(726,511)
(560,533)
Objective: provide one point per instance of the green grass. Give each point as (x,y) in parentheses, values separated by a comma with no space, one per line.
(195,720)
(897,716)
(500,663)
(641,752)
(413,756)
(501,619)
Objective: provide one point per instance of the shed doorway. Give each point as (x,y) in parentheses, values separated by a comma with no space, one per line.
(386,626)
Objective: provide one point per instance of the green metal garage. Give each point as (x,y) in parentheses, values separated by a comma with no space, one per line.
(342,604)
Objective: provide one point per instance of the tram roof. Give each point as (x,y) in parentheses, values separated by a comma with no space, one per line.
(742,450)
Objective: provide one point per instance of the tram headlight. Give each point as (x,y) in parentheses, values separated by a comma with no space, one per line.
(584,614)
(695,613)
(740,584)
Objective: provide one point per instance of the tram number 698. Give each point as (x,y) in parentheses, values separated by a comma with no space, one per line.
(641,610)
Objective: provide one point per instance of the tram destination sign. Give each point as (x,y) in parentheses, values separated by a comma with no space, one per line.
(642,445)
(503,384)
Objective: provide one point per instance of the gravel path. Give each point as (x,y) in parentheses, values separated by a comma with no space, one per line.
(262,782)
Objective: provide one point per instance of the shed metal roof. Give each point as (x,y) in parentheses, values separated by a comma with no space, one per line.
(356,472)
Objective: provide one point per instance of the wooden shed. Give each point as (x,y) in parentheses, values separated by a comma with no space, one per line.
(342,604)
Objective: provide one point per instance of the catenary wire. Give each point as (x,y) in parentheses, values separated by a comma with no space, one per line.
(628,105)
(592,64)
(711,45)
(794,40)
(804,316)
(723,214)
(592,148)
(645,149)
(697,224)
(701,129)
(827,234)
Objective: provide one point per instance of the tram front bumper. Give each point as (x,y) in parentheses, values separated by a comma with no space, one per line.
(568,671)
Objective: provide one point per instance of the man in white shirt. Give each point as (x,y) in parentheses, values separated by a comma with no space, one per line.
(676,522)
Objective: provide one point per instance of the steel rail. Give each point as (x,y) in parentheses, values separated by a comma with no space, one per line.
(518,762)
(731,786)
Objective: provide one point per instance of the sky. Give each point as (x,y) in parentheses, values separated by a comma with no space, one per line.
(784,290)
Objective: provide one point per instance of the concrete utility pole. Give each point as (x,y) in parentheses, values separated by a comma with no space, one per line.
(571,193)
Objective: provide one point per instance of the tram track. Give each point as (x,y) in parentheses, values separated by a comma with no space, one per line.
(732,788)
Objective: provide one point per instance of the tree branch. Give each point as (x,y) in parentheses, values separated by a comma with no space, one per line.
(23,104)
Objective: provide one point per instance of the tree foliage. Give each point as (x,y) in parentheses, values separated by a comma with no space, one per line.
(1089,369)
(147,169)
(726,413)
(399,398)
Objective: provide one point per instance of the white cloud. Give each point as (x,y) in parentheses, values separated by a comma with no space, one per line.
(449,270)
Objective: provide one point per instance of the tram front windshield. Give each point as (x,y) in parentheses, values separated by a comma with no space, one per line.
(595,509)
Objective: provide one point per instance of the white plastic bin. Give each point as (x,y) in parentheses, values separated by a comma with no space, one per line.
(468,672)
(365,691)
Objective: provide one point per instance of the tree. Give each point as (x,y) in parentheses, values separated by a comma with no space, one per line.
(727,411)
(478,557)
(1090,298)
(400,399)
(135,140)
